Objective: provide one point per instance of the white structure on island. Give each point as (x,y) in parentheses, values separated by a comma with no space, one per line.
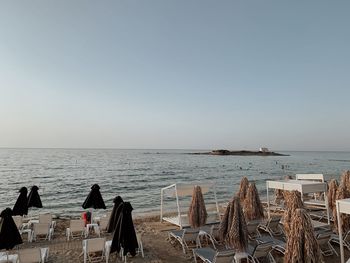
(178,196)
(264,150)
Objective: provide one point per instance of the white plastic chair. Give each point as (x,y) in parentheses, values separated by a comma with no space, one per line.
(41,229)
(47,218)
(18,221)
(94,246)
(75,226)
(103,224)
(33,255)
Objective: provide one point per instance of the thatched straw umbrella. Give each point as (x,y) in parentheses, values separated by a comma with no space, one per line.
(279,193)
(331,194)
(345,179)
(342,193)
(301,244)
(252,207)
(233,228)
(197,213)
(293,201)
(243,188)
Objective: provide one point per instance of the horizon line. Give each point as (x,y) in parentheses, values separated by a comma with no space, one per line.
(153,149)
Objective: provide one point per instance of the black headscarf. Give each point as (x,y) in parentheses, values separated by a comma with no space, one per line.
(115,214)
(34,198)
(124,235)
(94,199)
(9,234)
(21,206)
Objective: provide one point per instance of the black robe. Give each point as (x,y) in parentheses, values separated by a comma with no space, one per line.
(115,214)
(9,234)
(124,235)
(21,206)
(34,198)
(94,199)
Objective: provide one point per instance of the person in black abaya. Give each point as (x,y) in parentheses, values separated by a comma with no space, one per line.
(9,234)
(21,206)
(94,199)
(115,214)
(34,198)
(124,235)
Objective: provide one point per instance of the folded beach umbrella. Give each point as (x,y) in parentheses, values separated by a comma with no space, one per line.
(34,198)
(302,245)
(9,234)
(117,208)
(197,213)
(124,235)
(253,209)
(345,179)
(94,199)
(233,227)
(292,201)
(332,193)
(21,206)
(243,187)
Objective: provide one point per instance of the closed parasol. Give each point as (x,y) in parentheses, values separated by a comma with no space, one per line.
(117,208)
(124,235)
(21,206)
(233,228)
(34,198)
(302,245)
(253,209)
(197,213)
(9,235)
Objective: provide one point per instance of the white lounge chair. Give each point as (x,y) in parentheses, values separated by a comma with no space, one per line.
(41,230)
(76,226)
(33,255)
(47,218)
(209,255)
(18,221)
(185,237)
(94,246)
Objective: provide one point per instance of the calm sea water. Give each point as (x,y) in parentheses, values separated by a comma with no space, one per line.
(65,176)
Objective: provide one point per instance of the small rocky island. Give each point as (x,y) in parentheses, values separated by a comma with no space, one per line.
(261,152)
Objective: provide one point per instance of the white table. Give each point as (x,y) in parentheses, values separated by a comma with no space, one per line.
(302,186)
(343,207)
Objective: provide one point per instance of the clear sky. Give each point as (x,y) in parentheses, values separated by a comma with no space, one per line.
(175,74)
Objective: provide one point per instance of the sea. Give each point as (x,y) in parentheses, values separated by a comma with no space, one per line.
(65,176)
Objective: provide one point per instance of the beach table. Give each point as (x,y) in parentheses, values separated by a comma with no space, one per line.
(343,207)
(303,186)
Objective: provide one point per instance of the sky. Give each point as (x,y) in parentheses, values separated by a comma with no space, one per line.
(182,74)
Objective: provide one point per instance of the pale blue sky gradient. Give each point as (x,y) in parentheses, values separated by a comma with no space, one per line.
(175,74)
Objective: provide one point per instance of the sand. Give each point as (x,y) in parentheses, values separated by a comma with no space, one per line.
(157,247)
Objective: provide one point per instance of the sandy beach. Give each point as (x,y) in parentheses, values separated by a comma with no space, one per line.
(157,247)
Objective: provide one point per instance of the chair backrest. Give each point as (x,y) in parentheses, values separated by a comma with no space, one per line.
(29,255)
(104,223)
(323,238)
(45,218)
(273,223)
(310,177)
(262,250)
(95,245)
(214,231)
(41,228)
(224,257)
(77,225)
(252,226)
(18,221)
(190,235)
